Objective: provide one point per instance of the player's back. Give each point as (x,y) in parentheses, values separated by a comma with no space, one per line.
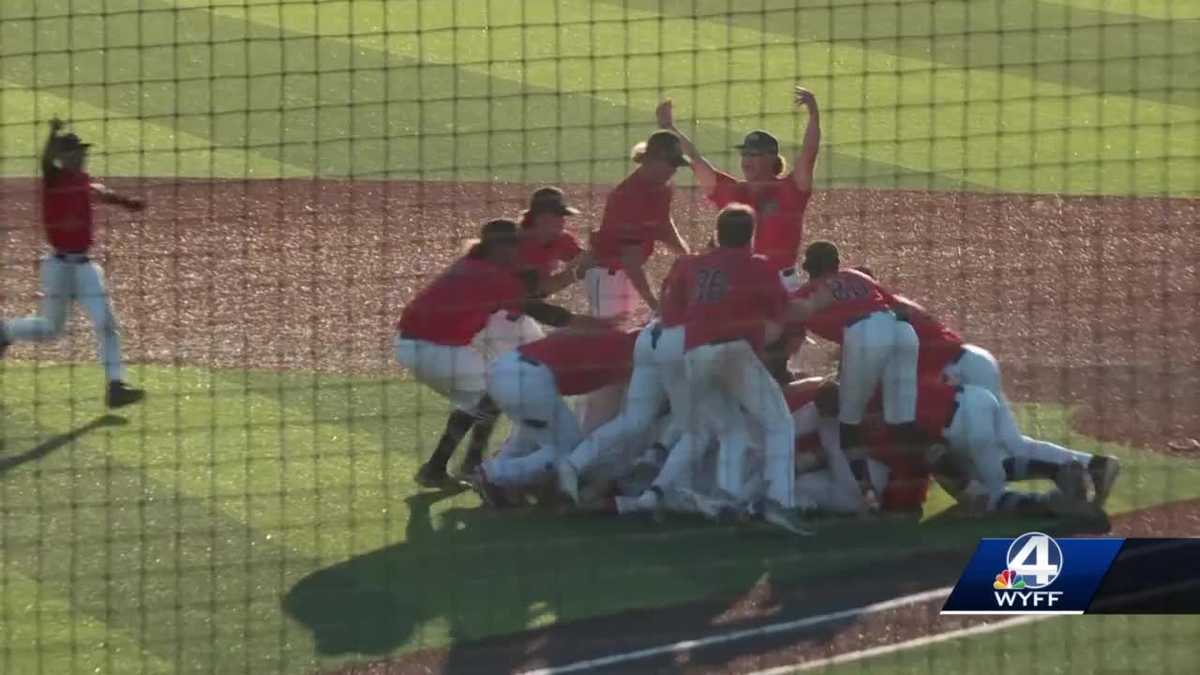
(855,295)
(457,304)
(726,294)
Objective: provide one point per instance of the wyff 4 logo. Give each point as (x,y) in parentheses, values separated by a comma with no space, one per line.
(1034,562)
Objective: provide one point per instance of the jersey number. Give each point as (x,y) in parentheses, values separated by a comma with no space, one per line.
(848,289)
(711,285)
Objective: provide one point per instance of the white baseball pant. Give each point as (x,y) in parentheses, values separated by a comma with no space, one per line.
(643,401)
(458,373)
(878,347)
(544,426)
(983,430)
(790,278)
(505,332)
(609,292)
(734,368)
(66,279)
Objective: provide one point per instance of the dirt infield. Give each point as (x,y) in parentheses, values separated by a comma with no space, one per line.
(1087,300)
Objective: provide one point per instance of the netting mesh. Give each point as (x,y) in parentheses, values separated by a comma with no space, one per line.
(1025,170)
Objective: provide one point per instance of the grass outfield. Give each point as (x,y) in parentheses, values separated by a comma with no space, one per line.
(166,541)
(1079,96)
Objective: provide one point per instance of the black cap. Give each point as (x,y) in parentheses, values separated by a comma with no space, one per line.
(71,141)
(759,142)
(664,144)
(549,200)
(499,231)
(821,256)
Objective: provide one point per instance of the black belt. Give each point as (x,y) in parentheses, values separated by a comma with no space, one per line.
(958,356)
(76,257)
(525,359)
(953,407)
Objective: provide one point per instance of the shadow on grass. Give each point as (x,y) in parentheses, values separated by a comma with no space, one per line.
(8,463)
(484,575)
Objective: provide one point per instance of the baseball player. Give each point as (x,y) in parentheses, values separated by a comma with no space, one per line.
(779,198)
(637,213)
(529,383)
(970,420)
(727,297)
(847,307)
(436,332)
(548,257)
(944,355)
(69,274)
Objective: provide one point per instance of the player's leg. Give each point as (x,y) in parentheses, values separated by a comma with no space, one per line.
(900,377)
(642,403)
(972,436)
(58,291)
(92,293)
(532,401)
(743,375)
(866,347)
(459,374)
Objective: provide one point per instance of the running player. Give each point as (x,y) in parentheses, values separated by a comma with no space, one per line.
(69,274)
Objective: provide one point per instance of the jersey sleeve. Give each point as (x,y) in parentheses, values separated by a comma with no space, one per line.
(725,191)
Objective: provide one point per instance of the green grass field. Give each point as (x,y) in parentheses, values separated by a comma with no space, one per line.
(166,541)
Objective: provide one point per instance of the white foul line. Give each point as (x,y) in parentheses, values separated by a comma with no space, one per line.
(882,650)
(723,638)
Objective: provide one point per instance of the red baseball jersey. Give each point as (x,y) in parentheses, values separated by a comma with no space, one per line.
(908,474)
(584,362)
(67,210)
(635,213)
(545,256)
(935,405)
(855,295)
(938,344)
(456,306)
(729,295)
(779,206)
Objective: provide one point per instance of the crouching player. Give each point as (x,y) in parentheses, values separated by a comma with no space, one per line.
(528,385)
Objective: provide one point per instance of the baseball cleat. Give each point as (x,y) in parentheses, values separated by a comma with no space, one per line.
(1072,481)
(430,476)
(788,519)
(1104,471)
(121,394)
(568,479)
(4,343)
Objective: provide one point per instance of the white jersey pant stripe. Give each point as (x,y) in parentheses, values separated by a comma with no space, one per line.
(457,372)
(65,280)
(878,348)
(544,426)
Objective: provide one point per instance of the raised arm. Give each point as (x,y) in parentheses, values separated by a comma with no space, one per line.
(50,150)
(705,172)
(106,195)
(806,158)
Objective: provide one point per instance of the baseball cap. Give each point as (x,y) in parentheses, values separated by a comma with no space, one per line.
(499,231)
(821,255)
(71,141)
(759,142)
(550,200)
(664,144)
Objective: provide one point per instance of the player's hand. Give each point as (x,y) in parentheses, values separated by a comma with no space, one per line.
(56,125)
(805,98)
(665,115)
(585,262)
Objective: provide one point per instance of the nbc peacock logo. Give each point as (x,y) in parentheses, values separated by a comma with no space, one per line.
(1008,580)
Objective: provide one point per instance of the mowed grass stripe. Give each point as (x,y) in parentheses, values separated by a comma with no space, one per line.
(43,632)
(195,588)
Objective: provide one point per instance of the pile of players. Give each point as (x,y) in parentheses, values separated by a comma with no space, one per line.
(696,410)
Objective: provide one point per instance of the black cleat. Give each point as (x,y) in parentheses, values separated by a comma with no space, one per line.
(430,476)
(121,394)
(1103,471)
